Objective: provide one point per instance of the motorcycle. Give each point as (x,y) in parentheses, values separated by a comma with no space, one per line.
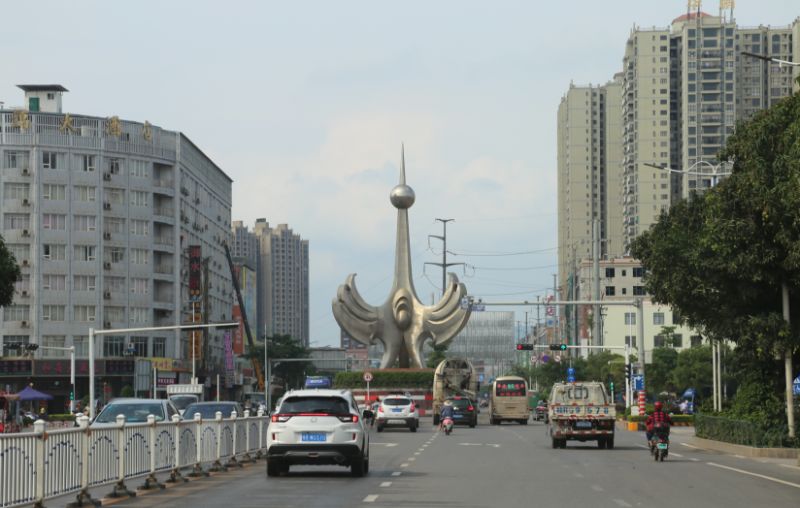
(447,425)
(659,444)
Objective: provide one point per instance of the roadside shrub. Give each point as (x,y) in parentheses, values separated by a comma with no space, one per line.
(388,378)
(743,432)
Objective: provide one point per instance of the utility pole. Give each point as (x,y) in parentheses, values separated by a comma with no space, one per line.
(788,363)
(556,334)
(444,264)
(596,339)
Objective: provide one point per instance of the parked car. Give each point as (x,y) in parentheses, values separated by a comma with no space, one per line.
(397,410)
(464,411)
(208,410)
(134,411)
(317,427)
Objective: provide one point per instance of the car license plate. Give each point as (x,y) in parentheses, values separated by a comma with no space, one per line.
(397,410)
(583,425)
(662,446)
(313,437)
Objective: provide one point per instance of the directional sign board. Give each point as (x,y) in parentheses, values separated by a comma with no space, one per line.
(368,376)
(638,382)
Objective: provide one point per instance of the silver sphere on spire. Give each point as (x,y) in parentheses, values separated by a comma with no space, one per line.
(402,197)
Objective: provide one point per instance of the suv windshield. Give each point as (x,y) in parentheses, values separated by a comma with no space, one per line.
(315,404)
(133,412)
(396,402)
(210,410)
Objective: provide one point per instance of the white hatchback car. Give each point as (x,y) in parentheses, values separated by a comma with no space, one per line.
(397,410)
(320,427)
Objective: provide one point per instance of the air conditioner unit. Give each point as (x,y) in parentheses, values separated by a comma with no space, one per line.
(26,202)
(107,295)
(106,206)
(107,265)
(24,292)
(24,324)
(26,171)
(107,325)
(107,177)
(106,236)
(25,262)
(25,232)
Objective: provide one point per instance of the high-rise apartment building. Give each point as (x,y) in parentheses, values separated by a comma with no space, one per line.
(99,213)
(283,291)
(589,155)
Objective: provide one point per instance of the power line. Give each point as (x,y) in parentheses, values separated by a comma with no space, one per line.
(512,269)
(500,254)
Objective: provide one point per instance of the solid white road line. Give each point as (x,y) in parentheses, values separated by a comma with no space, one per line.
(765,477)
(622,503)
(787,465)
(386,484)
(371,498)
(397,473)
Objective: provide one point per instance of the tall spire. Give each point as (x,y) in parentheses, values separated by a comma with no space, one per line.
(402,164)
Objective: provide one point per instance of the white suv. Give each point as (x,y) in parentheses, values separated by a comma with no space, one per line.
(397,410)
(317,427)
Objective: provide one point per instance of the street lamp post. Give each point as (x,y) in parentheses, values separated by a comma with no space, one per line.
(71,350)
(715,170)
(93,332)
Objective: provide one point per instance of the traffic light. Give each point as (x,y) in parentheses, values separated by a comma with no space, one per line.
(558,347)
(31,347)
(627,370)
(524,347)
(612,386)
(71,395)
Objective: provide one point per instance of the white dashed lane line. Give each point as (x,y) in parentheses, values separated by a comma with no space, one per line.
(386,484)
(397,473)
(597,488)
(404,464)
(371,498)
(622,503)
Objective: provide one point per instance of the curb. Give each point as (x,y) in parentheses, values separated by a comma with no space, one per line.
(747,451)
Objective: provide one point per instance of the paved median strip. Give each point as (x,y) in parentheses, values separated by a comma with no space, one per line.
(757,475)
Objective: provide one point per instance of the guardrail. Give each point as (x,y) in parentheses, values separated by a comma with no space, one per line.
(46,464)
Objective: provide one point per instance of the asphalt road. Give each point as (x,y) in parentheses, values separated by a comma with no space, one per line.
(502,466)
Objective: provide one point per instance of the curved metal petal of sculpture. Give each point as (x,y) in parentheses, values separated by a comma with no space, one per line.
(402,324)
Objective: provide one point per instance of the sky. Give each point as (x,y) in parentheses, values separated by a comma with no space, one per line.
(305,106)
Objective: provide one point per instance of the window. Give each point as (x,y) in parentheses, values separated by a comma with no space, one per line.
(87,162)
(659,341)
(113,346)
(53,341)
(85,253)
(139,346)
(139,256)
(85,313)
(676,318)
(115,255)
(54,282)
(20,251)
(638,271)
(159,347)
(609,273)
(638,291)
(658,318)
(696,340)
(84,283)
(49,160)
(54,252)
(140,227)
(677,340)
(85,193)
(115,166)
(115,314)
(53,312)
(139,286)
(53,192)
(630,318)
(114,284)
(115,196)
(139,168)
(16,313)
(54,221)
(84,223)
(16,221)
(16,160)
(113,225)
(140,315)
(610,291)
(23,283)
(630,340)
(16,191)
(81,343)
(138,198)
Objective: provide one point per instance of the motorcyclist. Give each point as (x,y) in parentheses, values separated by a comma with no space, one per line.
(446,412)
(658,417)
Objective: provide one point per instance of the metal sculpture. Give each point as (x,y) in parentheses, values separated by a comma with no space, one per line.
(402,324)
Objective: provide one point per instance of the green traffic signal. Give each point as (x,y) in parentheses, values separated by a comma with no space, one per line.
(563,347)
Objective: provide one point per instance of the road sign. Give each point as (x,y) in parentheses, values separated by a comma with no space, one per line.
(557,358)
(571,372)
(638,382)
(368,376)
(796,386)
(570,379)
(480,378)
(534,359)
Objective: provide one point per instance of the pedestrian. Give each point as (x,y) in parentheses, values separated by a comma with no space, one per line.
(684,406)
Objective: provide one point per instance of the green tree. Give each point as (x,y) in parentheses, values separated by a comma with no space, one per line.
(436,355)
(693,370)
(284,346)
(9,274)
(659,372)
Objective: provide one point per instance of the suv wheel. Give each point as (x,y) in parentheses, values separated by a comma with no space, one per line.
(413,426)
(359,467)
(274,468)
(380,428)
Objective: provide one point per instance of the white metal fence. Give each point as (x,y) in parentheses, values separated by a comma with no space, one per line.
(45,464)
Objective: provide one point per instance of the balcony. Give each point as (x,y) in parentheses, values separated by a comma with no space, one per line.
(164,268)
(163,241)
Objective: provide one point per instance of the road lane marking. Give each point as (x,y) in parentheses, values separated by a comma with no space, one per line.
(404,464)
(694,459)
(765,477)
(371,498)
(787,465)
(386,484)
(416,453)
(578,475)
(690,446)
(676,454)
(739,456)
(385,444)
(622,503)
(397,473)
(412,459)
(643,446)
(597,488)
